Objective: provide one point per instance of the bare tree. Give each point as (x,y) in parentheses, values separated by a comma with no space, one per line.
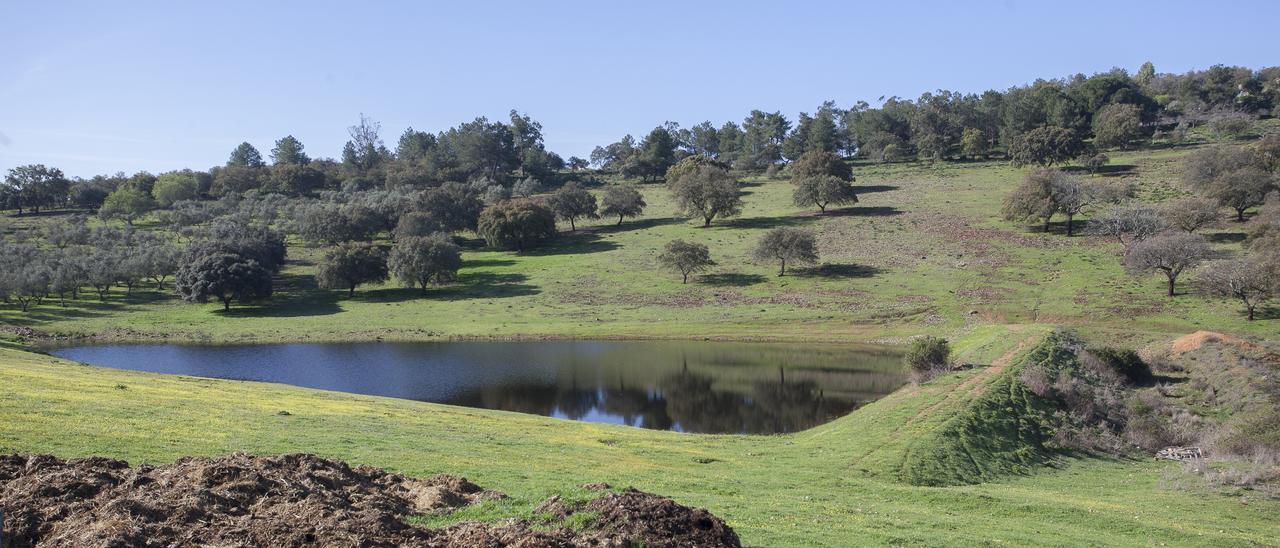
(1129,223)
(1252,281)
(1170,253)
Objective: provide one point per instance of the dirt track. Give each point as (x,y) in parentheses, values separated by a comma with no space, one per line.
(301,500)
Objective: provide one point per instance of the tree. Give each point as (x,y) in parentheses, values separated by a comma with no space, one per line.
(127,204)
(295,180)
(1252,280)
(572,202)
(245,155)
(707,191)
(175,186)
(1129,223)
(820,163)
(350,264)
(158,261)
(823,190)
(424,260)
(1241,189)
(1146,73)
(685,258)
(1117,125)
(103,271)
(1046,146)
(1073,195)
(1033,199)
(974,143)
(251,241)
(1170,253)
(787,244)
(35,186)
(576,164)
(224,276)
(365,150)
(622,200)
(526,187)
(1267,152)
(453,205)
(332,224)
(288,150)
(1191,213)
(236,180)
(657,152)
(519,224)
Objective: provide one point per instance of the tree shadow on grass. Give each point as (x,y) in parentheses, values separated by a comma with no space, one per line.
(763,222)
(1111,170)
(838,271)
(573,243)
(486,285)
(487,263)
(859,211)
(871,189)
(640,224)
(730,279)
(1226,237)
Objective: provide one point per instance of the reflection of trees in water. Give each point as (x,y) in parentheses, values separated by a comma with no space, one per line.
(771,407)
(685,398)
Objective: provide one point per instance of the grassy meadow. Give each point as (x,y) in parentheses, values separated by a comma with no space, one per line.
(923,252)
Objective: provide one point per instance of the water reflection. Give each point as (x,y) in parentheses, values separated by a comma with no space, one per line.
(710,387)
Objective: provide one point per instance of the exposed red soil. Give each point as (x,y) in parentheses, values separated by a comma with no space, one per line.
(297,500)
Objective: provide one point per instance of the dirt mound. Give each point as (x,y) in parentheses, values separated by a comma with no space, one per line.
(1194,341)
(299,500)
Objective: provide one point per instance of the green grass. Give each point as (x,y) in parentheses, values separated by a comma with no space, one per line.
(836,484)
(924,252)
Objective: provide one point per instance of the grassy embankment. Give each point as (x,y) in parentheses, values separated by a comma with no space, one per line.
(839,483)
(924,252)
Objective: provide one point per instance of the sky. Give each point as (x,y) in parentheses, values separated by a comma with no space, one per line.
(99,87)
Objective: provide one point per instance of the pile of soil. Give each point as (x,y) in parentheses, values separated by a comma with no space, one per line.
(300,500)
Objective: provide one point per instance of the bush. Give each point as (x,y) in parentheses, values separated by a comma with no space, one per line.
(1125,362)
(927,357)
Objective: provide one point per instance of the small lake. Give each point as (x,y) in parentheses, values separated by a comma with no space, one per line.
(687,386)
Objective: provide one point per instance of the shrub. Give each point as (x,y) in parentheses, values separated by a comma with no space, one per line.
(1125,362)
(928,356)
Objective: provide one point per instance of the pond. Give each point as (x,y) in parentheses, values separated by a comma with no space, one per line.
(687,386)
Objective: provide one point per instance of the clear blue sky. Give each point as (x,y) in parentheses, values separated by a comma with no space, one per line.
(98,87)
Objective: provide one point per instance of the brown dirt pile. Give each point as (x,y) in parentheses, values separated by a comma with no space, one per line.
(1194,341)
(297,500)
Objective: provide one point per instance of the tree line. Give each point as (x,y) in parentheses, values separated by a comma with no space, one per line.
(1044,123)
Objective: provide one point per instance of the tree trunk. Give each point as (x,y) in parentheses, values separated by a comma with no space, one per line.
(352,291)
(619,219)
(572,227)
(706,221)
(226,304)
(782,270)
(1046,223)
(686,278)
(1172,279)
(1240,214)
(1250,312)
(1069,219)
(822,208)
